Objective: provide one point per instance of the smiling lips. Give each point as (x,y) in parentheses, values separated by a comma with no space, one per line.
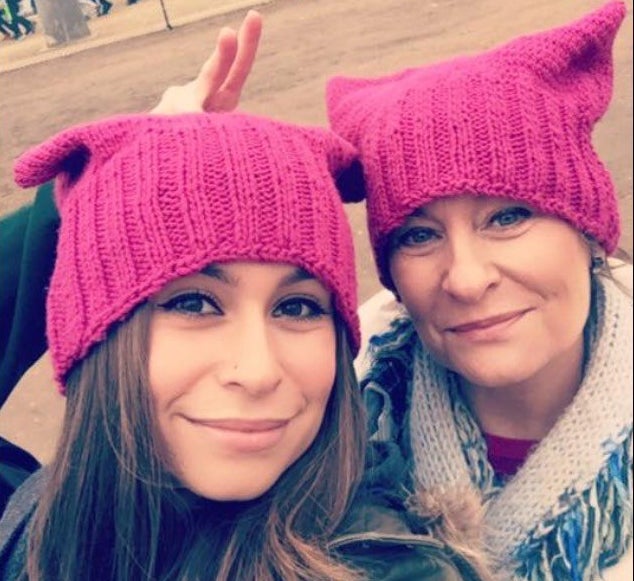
(244,436)
(243,425)
(485,328)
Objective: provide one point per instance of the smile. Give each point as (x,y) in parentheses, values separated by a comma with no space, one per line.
(489,328)
(243,436)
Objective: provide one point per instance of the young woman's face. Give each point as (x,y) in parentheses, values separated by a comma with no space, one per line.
(242,363)
(496,291)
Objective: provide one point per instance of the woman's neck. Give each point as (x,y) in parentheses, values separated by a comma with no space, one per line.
(528,410)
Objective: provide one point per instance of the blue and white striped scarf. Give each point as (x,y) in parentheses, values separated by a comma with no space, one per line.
(567,513)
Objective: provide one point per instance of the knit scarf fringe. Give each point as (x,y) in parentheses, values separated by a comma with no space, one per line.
(585,524)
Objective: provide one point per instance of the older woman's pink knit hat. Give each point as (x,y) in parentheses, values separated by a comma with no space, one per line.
(146,199)
(513,122)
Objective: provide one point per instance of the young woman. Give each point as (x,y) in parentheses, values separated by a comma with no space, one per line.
(505,380)
(201,320)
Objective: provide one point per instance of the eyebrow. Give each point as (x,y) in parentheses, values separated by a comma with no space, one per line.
(298,275)
(217,272)
(419,213)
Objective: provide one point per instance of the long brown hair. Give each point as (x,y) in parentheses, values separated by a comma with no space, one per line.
(112,511)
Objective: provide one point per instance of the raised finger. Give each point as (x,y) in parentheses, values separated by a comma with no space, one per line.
(216,68)
(248,40)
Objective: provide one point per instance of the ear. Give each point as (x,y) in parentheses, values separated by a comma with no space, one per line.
(575,60)
(597,255)
(342,160)
(67,155)
(338,89)
(351,102)
(66,152)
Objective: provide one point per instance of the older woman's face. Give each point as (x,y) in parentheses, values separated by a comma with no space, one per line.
(497,292)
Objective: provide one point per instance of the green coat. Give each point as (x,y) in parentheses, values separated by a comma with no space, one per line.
(28,238)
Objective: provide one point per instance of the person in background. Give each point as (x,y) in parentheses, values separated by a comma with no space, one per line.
(503,374)
(16,20)
(8,33)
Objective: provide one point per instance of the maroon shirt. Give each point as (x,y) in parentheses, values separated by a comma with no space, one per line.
(507,455)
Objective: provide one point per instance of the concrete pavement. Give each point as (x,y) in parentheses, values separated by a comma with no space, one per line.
(121,23)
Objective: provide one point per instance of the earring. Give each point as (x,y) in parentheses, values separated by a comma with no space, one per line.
(597,264)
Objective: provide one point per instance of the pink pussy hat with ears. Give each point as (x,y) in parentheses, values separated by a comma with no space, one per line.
(513,122)
(147,199)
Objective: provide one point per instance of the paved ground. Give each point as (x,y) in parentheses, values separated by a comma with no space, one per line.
(304,42)
(122,23)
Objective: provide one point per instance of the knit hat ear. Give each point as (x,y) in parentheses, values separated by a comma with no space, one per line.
(338,87)
(342,160)
(344,165)
(343,95)
(339,153)
(577,58)
(67,155)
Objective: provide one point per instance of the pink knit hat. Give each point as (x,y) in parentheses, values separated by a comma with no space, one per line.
(513,122)
(146,199)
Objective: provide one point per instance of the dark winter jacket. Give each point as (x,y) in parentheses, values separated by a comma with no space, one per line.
(376,540)
(28,238)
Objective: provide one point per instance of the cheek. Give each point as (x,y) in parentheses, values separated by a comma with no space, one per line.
(309,362)
(555,255)
(176,361)
(415,283)
(568,304)
(560,274)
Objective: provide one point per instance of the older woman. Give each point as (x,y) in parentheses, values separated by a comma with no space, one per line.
(505,380)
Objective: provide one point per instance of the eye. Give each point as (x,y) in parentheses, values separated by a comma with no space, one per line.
(510,216)
(414,237)
(192,303)
(299,308)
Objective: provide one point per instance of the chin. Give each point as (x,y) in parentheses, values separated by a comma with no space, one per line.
(496,380)
(494,376)
(493,381)
(225,492)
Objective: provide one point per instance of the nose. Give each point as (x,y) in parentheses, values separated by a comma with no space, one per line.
(470,270)
(251,361)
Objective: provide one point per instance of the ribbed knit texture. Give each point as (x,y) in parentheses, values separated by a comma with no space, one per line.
(514,122)
(567,513)
(146,199)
